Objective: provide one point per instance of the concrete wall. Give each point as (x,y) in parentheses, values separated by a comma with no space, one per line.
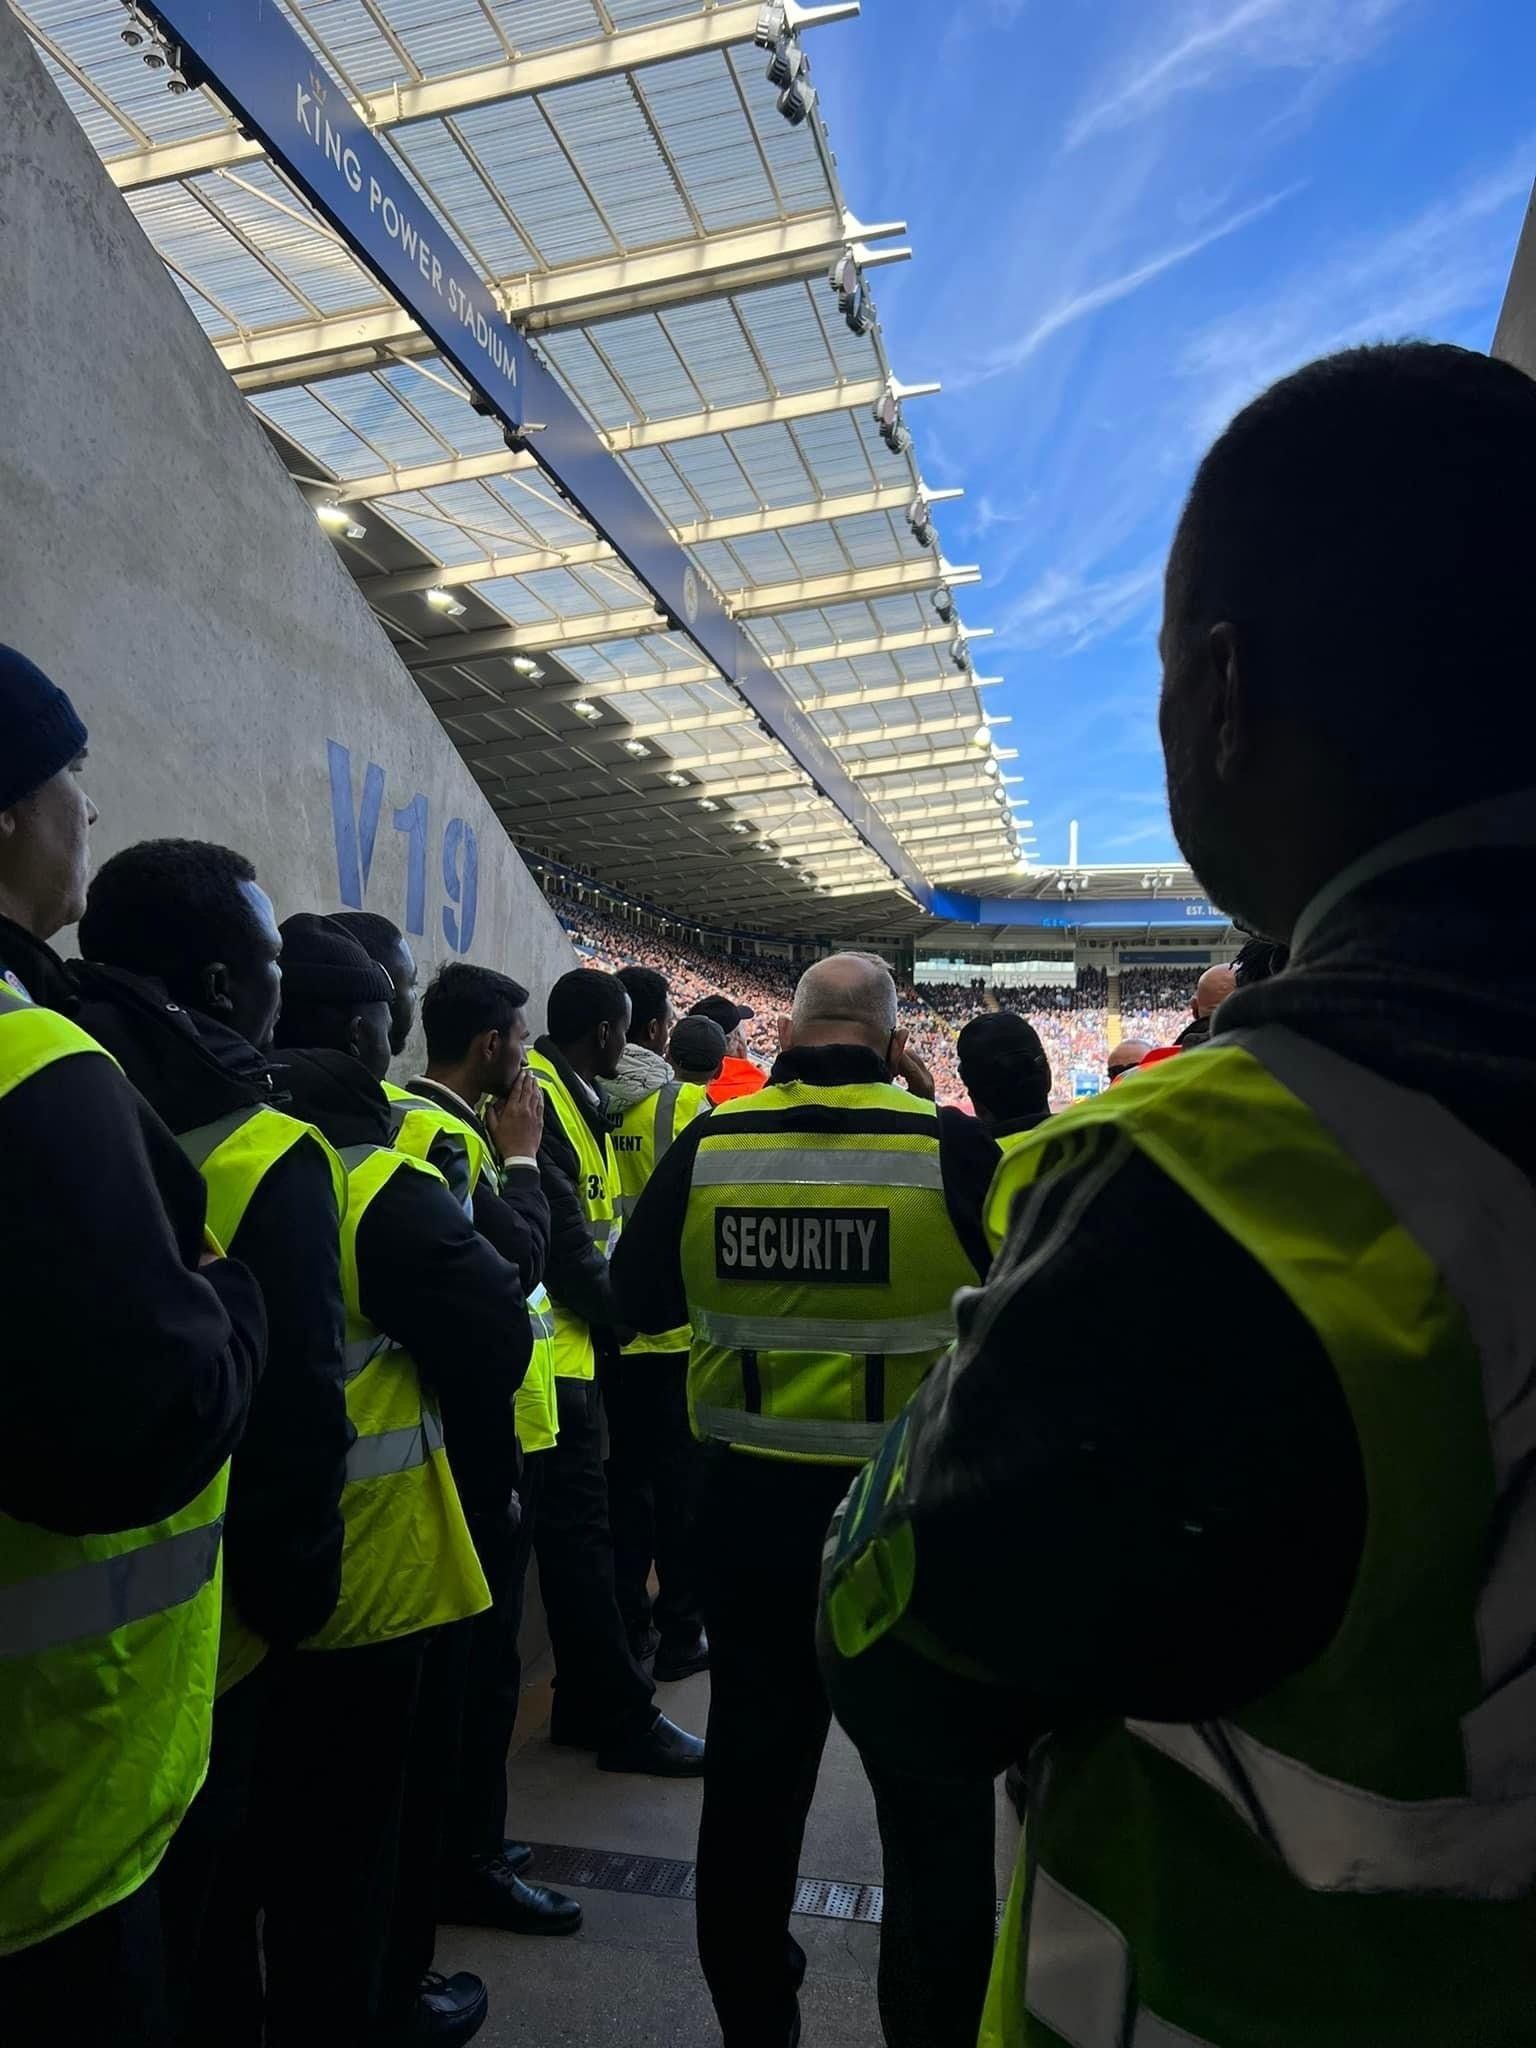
(1515,336)
(157,561)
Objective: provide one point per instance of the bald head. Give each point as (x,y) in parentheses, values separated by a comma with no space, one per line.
(1213,988)
(849,999)
(1130,1052)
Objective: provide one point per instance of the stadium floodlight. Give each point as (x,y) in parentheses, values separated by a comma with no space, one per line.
(445,602)
(527,666)
(707,803)
(786,62)
(943,601)
(677,781)
(844,278)
(771,23)
(638,748)
(920,519)
(337,519)
(797,100)
(859,313)
(138,29)
(585,708)
(960,653)
(982,736)
(887,417)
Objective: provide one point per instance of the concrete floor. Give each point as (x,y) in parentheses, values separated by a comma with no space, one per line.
(630,1979)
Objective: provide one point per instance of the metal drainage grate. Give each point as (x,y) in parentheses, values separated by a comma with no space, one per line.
(664,1877)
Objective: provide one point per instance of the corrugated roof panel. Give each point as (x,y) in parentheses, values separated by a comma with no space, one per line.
(472,211)
(548,24)
(714,351)
(315,262)
(374,409)
(301,416)
(709,467)
(188,236)
(647,365)
(793,158)
(351,40)
(520,153)
(771,459)
(659,479)
(833,448)
(449,413)
(695,106)
(782,322)
(816,550)
(442,36)
(90,37)
(587,377)
(601,123)
(441,538)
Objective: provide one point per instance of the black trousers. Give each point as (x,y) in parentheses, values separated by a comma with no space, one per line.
(324,1841)
(653,1488)
(762,1526)
(214,1834)
(762,1523)
(475,1818)
(98,1985)
(601,1693)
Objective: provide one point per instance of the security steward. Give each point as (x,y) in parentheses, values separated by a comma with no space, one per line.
(652,1457)
(812,1235)
(131,1354)
(1263,1614)
(438,1340)
(180,980)
(604,1700)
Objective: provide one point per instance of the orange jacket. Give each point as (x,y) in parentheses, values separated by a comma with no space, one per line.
(736,1077)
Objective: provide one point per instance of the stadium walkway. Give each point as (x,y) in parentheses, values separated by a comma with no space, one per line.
(630,1979)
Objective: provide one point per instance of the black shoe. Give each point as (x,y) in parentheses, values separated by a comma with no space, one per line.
(491,1894)
(661,1751)
(681,1660)
(448,2010)
(517,1856)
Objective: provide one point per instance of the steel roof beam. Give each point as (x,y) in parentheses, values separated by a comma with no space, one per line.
(714,28)
(847,396)
(576,810)
(576,294)
(889,579)
(544,637)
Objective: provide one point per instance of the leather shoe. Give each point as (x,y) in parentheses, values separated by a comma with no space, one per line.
(517,1856)
(448,2010)
(661,1751)
(491,1894)
(681,1660)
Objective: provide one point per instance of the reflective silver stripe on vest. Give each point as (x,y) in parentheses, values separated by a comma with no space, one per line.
(201,1144)
(813,1438)
(352,1156)
(626,1206)
(107,1593)
(666,1120)
(361,1352)
(1077,1977)
(395,1450)
(1474,1215)
(604,1233)
(729,1166)
(890,1334)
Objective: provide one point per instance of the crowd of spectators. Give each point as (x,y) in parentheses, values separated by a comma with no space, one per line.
(1155,1002)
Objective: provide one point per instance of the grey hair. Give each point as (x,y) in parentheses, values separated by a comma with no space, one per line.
(847,988)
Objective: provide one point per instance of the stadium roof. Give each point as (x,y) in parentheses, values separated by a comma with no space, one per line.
(623,177)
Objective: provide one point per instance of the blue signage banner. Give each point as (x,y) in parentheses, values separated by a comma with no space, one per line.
(1080,913)
(268,76)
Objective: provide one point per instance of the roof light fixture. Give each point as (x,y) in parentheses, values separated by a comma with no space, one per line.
(638,748)
(445,602)
(960,654)
(740,825)
(943,601)
(677,781)
(527,666)
(707,803)
(337,519)
(585,708)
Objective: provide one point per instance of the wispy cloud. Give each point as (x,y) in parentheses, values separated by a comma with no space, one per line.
(1447,262)
(1204,47)
(1143,835)
(1066,611)
(1082,305)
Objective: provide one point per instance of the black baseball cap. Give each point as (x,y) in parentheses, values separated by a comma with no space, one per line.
(722,1011)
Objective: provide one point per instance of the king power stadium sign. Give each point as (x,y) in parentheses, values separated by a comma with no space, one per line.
(252,56)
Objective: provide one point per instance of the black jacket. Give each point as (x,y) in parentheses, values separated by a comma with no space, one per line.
(1143,1513)
(648,1266)
(128,1372)
(427,1279)
(1011,1126)
(517,1220)
(577,1276)
(282,1531)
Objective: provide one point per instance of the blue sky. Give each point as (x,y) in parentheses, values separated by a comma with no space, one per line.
(1128,216)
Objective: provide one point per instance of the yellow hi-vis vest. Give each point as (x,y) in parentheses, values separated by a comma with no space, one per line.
(108,1651)
(640,1137)
(598,1190)
(1349,1861)
(820,1265)
(407,1561)
(234,1154)
(422,1128)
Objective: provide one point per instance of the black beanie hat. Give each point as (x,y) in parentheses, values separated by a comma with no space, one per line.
(40,730)
(324,964)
